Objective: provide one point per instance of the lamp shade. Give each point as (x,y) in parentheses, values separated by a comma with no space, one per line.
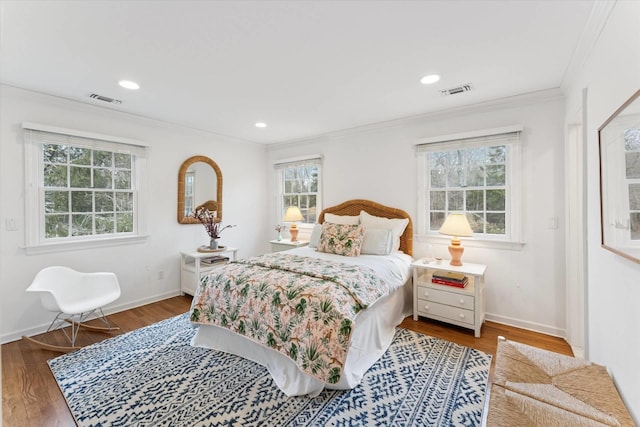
(457,225)
(293,214)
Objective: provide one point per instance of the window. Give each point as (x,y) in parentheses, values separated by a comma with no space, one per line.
(81,187)
(476,175)
(632,175)
(189,191)
(299,184)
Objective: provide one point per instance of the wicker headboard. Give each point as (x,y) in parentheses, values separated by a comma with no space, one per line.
(353,207)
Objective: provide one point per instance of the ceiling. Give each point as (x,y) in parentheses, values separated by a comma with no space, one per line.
(305,68)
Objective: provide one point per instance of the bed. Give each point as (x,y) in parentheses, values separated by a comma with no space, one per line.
(275,309)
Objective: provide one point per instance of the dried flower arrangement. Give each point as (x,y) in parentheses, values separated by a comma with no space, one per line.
(211,223)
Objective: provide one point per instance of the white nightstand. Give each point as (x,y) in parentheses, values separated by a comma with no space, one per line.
(285,244)
(459,306)
(192,268)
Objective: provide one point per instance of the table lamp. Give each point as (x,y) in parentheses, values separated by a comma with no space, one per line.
(293,214)
(456,225)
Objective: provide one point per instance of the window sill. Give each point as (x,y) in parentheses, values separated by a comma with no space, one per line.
(46,248)
(471,242)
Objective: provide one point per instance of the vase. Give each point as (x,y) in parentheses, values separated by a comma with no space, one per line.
(213,244)
(279,236)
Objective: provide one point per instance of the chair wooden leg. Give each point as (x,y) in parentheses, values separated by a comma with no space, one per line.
(76,322)
(59,348)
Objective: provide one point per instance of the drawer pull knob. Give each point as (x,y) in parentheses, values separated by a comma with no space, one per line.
(426,307)
(462,316)
(426,294)
(461,301)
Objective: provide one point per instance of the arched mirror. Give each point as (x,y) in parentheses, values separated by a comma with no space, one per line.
(199,181)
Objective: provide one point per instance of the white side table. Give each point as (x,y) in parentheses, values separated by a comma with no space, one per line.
(459,306)
(285,244)
(192,269)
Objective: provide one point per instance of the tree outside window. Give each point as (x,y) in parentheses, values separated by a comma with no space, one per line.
(301,190)
(632,174)
(299,185)
(86,192)
(471,181)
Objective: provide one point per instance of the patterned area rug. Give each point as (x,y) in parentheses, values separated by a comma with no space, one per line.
(153,377)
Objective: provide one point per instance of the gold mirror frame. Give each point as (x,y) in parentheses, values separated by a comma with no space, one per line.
(182,173)
(619,187)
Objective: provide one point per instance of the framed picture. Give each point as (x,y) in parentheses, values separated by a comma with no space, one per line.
(619,144)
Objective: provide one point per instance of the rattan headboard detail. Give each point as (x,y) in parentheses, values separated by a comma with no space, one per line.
(353,207)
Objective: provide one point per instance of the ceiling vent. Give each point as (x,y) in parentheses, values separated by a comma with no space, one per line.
(456,90)
(105,99)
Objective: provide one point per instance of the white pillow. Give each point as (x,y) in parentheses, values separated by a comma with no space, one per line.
(377,241)
(342,219)
(315,236)
(396,225)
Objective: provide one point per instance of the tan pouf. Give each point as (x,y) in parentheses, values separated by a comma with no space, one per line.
(534,387)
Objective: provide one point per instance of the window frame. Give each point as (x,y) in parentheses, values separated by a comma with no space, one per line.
(280,166)
(35,241)
(512,239)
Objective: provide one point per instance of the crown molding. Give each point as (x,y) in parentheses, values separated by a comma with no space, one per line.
(595,24)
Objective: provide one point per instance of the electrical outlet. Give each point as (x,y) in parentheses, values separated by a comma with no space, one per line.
(10,224)
(160,275)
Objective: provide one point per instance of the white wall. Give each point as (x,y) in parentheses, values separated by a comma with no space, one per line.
(611,75)
(138,266)
(524,287)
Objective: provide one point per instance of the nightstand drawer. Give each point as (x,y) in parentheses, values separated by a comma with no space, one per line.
(430,308)
(444,297)
(461,306)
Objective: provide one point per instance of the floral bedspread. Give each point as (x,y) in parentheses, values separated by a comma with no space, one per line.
(302,307)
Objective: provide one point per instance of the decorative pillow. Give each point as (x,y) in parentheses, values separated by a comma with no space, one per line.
(396,225)
(315,236)
(342,219)
(377,241)
(341,239)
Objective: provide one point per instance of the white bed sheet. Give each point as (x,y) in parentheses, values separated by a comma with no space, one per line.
(372,335)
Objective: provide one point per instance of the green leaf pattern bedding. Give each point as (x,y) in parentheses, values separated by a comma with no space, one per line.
(302,307)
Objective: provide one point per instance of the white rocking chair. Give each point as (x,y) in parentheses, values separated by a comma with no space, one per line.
(75,297)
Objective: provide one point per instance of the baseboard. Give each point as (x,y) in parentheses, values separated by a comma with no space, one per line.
(578,352)
(530,326)
(17,335)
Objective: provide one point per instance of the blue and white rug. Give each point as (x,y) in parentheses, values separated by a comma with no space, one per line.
(153,377)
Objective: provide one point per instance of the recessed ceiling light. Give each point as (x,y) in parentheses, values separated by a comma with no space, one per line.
(431,78)
(127,84)
(261,125)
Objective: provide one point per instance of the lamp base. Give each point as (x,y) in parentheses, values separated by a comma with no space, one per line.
(294,233)
(456,254)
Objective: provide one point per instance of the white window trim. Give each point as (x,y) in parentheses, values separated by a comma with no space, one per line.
(513,240)
(33,211)
(280,165)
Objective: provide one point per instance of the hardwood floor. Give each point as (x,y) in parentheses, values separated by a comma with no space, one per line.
(30,394)
(31,397)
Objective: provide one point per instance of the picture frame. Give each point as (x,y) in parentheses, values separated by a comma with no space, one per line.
(619,155)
